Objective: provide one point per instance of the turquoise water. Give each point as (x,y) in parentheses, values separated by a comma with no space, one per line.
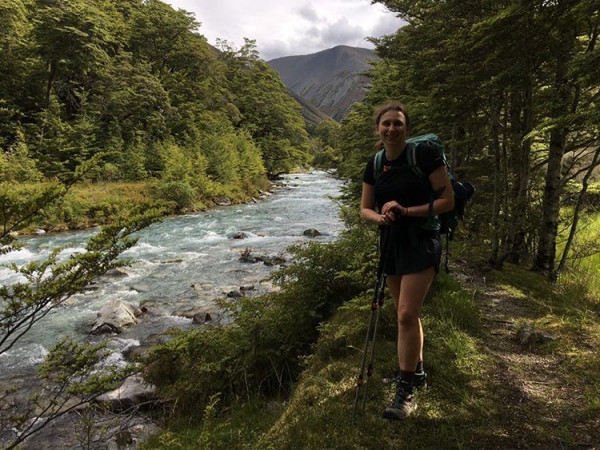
(182,262)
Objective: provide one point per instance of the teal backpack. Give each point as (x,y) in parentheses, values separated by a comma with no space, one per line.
(446,223)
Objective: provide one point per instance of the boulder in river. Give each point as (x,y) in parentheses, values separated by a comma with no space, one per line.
(311,232)
(115,316)
(200,315)
(133,392)
(271,260)
(117,272)
(247,257)
(221,201)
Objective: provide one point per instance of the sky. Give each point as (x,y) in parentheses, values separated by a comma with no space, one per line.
(291,27)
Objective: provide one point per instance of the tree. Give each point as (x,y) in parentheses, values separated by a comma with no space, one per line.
(71,373)
(574,36)
(449,64)
(267,112)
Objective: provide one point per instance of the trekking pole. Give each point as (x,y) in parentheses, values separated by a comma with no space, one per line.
(376,305)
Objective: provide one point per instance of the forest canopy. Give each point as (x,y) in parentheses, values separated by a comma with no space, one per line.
(136,82)
(512,88)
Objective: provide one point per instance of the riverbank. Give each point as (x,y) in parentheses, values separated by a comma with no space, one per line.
(183,262)
(511,364)
(89,205)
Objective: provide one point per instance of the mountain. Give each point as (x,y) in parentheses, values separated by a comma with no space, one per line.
(311,113)
(332,80)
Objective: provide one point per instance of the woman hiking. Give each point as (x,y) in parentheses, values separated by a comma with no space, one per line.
(399,201)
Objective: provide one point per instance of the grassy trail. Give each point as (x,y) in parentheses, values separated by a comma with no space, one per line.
(488,390)
(540,388)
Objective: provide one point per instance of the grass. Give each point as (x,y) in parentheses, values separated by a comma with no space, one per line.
(469,403)
(89,205)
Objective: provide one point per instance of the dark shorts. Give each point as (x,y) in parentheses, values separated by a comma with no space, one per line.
(410,251)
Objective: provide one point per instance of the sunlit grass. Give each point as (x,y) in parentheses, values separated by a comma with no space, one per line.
(581,280)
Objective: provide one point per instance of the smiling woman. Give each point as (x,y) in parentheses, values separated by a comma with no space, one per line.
(400,202)
(316,26)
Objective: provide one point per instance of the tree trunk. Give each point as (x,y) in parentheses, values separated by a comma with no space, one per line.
(576,213)
(498,208)
(522,169)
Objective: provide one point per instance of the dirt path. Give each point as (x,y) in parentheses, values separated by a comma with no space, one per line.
(538,407)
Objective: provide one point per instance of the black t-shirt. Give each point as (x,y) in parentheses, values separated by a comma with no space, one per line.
(399,182)
(428,159)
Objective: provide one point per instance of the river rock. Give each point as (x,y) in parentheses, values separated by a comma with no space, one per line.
(139,352)
(115,316)
(240,235)
(311,232)
(39,232)
(133,392)
(199,314)
(207,317)
(234,294)
(271,260)
(222,201)
(117,272)
(247,257)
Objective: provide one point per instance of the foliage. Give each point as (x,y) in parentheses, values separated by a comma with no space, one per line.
(260,352)
(72,376)
(73,373)
(268,113)
(49,283)
(519,131)
(137,83)
(325,145)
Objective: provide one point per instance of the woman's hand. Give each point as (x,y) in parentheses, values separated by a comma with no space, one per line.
(393,207)
(389,207)
(387,219)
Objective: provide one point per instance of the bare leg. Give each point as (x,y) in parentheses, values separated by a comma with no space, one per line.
(408,292)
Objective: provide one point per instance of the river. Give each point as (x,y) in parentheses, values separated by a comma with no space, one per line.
(181,262)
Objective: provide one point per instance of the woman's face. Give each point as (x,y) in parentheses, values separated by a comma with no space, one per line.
(392,128)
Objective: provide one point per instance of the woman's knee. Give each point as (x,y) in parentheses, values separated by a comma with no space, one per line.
(407,318)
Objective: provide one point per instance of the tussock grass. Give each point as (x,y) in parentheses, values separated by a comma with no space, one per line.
(486,391)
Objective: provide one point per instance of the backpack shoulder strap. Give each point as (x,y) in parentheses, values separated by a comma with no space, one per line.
(411,156)
(378,164)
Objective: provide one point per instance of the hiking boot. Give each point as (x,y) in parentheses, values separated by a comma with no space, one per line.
(419,381)
(403,404)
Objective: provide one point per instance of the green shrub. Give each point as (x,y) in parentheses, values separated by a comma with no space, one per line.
(260,353)
(178,192)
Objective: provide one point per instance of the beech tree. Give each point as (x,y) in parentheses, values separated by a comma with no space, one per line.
(128,77)
(509,86)
(267,112)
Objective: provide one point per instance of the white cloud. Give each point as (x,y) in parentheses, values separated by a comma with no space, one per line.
(291,27)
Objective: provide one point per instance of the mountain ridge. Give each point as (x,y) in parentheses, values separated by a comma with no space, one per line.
(332,79)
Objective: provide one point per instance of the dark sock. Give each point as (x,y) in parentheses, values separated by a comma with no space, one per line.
(406,378)
(419,368)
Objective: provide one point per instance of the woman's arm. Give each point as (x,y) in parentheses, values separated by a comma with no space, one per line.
(367,207)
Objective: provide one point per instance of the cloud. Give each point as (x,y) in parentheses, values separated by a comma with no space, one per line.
(307,12)
(343,31)
(291,27)
(387,24)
